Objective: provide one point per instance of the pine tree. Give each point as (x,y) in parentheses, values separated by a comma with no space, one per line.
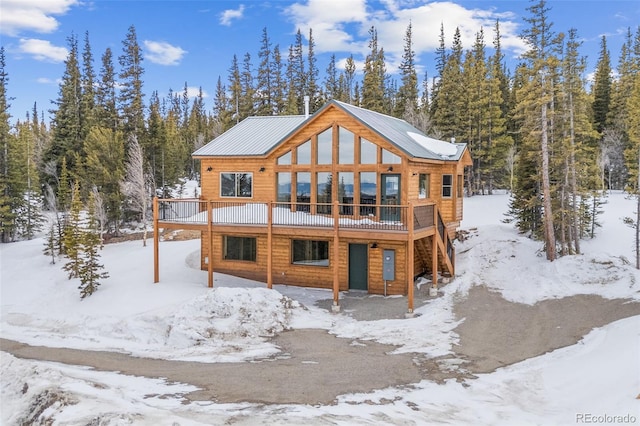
(28,208)
(441,60)
(235,90)
(279,83)
(51,244)
(7,216)
(131,103)
(407,99)
(91,270)
(331,87)
(265,78)
(105,154)
(537,108)
(449,96)
(499,142)
(221,106)
(312,89)
(373,80)
(602,87)
(247,89)
(67,119)
(349,74)
(87,80)
(106,113)
(72,238)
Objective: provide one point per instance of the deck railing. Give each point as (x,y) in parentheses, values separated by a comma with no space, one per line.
(353,216)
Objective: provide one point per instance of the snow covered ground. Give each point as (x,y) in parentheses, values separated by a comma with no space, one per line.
(180,318)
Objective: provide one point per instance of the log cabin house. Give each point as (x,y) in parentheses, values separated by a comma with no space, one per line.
(345,199)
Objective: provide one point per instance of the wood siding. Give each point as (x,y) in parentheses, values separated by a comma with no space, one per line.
(264,170)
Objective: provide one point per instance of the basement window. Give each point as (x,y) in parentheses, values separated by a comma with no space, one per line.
(310,252)
(240,248)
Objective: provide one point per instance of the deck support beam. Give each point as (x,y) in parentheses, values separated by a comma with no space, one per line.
(270,245)
(434,263)
(156,242)
(336,257)
(410,260)
(210,244)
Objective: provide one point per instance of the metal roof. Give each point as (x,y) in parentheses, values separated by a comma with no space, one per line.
(252,136)
(256,136)
(397,132)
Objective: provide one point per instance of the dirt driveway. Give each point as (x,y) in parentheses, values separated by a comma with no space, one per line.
(316,367)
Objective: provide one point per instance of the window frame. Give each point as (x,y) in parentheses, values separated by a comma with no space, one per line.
(311,247)
(448,186)
(424,183)
(241,251)
(236,185)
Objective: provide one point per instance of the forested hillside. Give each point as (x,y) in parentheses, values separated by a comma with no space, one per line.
(542,130)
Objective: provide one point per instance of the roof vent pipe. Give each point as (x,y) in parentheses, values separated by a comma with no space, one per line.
(306,107)
(453,140)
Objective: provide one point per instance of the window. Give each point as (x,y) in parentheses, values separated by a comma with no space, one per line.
(325,146)
(368,152)
(447,186)
(368,193)
(236,185)
(304,153)
(285,159)
(345,146)
(303,191)
(459,188)
(324,192)
(423,185)
(284,187)
(309,252)
(239,248)
(389,157)
(345,192)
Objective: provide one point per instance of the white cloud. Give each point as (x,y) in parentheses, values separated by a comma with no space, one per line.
(43,50)
(45,80)
(230,14)
(344,26)
(17,16)
(160,52)
(193,92)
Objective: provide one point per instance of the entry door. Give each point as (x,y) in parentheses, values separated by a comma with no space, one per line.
(390,196)
(358,267)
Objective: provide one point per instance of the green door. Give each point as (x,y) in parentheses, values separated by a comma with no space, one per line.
(390,196)
(358,267)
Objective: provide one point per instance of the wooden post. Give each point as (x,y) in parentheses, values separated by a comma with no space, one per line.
(410,258)
(434,254)
(210,243)
(156,242)
(270,245)
(336,257)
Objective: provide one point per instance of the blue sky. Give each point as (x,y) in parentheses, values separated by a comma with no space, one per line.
(193,42)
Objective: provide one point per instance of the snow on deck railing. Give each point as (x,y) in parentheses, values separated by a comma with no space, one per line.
(356,216)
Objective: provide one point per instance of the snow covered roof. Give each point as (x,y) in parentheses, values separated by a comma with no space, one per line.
(404,136)
(256,136)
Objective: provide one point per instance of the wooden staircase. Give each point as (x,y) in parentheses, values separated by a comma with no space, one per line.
(423,249)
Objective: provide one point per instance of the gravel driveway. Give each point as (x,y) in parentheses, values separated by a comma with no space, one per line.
(315,367)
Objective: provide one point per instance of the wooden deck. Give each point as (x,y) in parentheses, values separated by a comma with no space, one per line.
(413,223)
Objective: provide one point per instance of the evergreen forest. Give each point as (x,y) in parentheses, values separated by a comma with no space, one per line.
(554,139)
